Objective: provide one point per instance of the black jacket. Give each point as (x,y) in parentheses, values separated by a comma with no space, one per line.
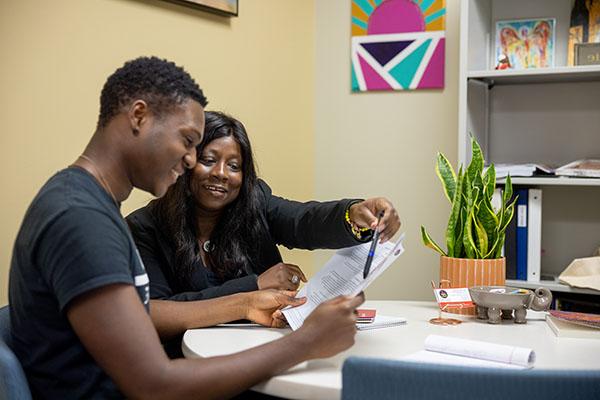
(310,225)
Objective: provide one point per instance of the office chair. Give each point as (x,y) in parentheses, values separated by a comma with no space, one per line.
(371,378)
(13,383)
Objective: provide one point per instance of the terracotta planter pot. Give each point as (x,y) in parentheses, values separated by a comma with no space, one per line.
(466,272)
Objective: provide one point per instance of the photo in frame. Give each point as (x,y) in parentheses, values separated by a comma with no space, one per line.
(527,43)
(223,7)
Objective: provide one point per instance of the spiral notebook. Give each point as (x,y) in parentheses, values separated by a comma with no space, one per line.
(381,321)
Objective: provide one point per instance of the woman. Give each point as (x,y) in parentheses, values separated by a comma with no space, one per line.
(216,230)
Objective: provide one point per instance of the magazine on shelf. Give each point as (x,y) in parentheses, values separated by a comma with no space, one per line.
(581,168)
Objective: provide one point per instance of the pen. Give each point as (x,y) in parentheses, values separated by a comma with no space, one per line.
(372,249)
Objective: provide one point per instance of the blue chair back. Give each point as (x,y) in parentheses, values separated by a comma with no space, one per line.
(13,383)
(370,378)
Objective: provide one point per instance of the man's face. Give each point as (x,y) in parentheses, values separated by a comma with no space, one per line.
(169,146)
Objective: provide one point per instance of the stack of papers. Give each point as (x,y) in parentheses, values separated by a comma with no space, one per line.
(503,170)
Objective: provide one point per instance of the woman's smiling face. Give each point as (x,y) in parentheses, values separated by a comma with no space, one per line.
(218,176)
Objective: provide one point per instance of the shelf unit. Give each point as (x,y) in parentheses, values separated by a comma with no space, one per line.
(545,115)
(551,181)
(554,286)
(542,75)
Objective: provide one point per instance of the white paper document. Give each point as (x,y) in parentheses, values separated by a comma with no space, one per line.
(343,275)
(473,353)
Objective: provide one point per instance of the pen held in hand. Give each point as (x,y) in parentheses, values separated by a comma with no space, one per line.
(372,248)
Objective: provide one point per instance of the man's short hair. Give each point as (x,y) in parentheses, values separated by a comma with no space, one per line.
(160,83)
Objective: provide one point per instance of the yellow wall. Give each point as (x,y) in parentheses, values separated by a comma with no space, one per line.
(385,143)
(57,54)
(282,67)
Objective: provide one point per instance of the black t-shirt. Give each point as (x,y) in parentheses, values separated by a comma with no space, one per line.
(73,239)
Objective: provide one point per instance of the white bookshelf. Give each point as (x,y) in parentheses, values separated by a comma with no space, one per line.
(586,73)
(554,286)
(547,116)
(552,181)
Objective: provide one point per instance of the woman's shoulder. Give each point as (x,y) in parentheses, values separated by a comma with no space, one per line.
(263,187)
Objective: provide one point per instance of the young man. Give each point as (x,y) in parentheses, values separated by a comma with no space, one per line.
(79,291)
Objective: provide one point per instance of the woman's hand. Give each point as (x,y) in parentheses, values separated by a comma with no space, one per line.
(264,306)
(364,214)
(281,276)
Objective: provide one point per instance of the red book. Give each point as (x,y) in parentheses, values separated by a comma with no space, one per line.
(365,316)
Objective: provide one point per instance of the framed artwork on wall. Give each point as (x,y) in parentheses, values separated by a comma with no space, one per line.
(223,7)
(397,44)
(526,43)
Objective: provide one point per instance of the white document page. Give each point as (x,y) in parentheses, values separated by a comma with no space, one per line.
(343,275)
(456,351)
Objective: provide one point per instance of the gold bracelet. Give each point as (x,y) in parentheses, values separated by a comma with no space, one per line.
(356,231)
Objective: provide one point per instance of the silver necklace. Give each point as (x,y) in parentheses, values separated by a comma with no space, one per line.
(206,246)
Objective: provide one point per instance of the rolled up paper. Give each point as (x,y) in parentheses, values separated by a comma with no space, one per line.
(501,353)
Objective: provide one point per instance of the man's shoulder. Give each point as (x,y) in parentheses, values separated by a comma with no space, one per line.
(69,193)
(69,188)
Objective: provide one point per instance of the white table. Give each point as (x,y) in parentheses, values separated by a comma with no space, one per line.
(322,379)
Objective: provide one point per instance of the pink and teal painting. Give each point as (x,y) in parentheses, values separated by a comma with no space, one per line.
(398,44)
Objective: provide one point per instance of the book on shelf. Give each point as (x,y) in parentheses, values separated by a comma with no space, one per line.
(587,168)
(534,234)
(523,241)
(521,233)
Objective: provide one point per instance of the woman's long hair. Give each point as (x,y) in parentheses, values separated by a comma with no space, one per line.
(234,239)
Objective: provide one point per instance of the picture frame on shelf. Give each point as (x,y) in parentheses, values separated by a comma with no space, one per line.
(222,7)
(527,43)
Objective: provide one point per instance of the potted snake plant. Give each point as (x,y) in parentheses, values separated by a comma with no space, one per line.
(475,232)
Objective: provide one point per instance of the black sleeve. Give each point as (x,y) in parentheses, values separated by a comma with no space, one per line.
(83,249)
(149,247)
(310,225)
(157,256)
(244,284)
